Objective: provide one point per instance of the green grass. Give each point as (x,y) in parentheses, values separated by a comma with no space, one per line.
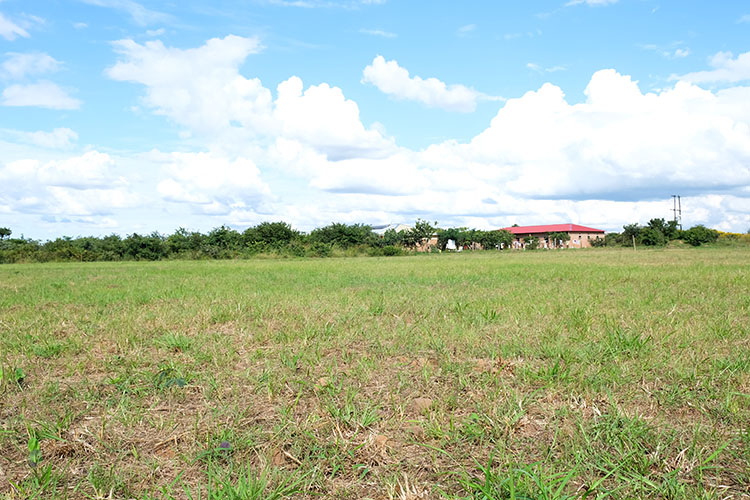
(544,375)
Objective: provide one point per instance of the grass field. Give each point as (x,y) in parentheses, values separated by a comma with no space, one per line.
(544,375)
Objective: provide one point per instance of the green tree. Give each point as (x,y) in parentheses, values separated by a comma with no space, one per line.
(532,242)
(668,229)
(344,235)
(393,238)
(270,234)
(652,237)
(421,232)
(491,240)
(140,247)
(556,237)
(630,231)
(5,233)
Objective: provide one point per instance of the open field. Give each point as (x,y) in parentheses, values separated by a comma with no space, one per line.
(607,373)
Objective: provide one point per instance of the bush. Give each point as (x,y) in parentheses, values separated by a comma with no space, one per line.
(270,234)
(344,235)
(391,250)
(532,242)
(698,235)
(318,249)
(652,237)
(599,242)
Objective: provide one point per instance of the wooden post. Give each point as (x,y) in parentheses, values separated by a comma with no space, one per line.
(633,241)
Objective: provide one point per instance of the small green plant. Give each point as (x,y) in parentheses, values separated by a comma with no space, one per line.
(523,482)
(35,452)
(168,377)
(175,342)
(13,376)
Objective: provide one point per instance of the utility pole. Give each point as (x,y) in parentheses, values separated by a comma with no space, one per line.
(677,209)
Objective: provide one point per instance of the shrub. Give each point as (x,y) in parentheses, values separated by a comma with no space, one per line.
(652,237)
(319,249)
(698,235)
(391,250)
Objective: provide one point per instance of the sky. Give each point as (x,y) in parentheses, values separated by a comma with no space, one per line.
(119,116)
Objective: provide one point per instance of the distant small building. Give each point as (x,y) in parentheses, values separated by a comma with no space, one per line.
(579,236)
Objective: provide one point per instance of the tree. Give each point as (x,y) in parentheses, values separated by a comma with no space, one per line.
(629,232)
(5,233)
(668,229)
(652,237)
(532,242)
(457,234)
(393,238)
(558,238)
(344,235)
(149,247)
(271,234)
(506,238)
(421,232)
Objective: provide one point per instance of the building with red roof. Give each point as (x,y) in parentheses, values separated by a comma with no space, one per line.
(578,236)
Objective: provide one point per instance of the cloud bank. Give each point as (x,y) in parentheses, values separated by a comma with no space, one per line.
(302,154)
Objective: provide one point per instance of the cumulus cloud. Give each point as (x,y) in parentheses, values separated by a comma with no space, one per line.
(619,143)
(542,158)
(79,185)
(212,182)
(18,65)
(727,69)
(10,30)
(43,94)
(392,79)
(203,90)
(612,159)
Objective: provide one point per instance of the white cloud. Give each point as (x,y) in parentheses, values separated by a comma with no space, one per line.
(213,182)
(539,69)
(670,51)
(392,79)
(466,29)
(744,19)
(619,144)
(18,65)
(42,94)
(726,70)
(59,138)
(384,34)
(140,14)
(10,30)
(154,33)
(80,26)
(203,90)
(198,88)
(79,185)
(321,116)
(613,159)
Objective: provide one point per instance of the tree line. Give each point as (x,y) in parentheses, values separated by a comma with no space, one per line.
(656,233)
(336,239)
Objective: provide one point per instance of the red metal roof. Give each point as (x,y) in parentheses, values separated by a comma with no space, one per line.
(552,228)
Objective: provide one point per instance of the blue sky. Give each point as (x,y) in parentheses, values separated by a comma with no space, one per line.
(122,116)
